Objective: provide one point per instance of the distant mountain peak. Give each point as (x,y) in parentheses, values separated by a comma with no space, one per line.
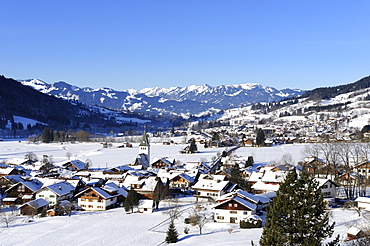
(190,100)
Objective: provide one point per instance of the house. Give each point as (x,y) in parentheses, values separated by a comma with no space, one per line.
(363,202)
(95,198)
(56,192)
(328,190)
(363,168)
(178,179)
(234,210)
(34,207)
(75,165)
(9,171)
(163,163)
(149,186)
(22,192)
(212,189)
(145,206)
(355,233)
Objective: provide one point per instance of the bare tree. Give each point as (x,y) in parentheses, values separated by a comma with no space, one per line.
(30,156)
(199,217)
(174,209)
(7,218)
(88,164)
(286,159)
(68,155)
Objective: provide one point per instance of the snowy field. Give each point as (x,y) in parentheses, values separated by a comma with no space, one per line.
(114,156)
(115,227)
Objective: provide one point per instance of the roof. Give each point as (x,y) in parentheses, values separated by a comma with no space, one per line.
(14,178)
(353,231)
(207,184)
(363,199)
(98,190)
(248,196)
(239,200)
(78,164)
(38,203)
(265,187)
(323,181)
(144,140)
(61,188)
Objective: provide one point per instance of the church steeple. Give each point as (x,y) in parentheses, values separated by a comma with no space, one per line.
(144,146)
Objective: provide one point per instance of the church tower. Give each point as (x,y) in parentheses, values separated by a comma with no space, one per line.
(144,147)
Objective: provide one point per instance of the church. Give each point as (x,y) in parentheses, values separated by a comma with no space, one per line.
(143,158)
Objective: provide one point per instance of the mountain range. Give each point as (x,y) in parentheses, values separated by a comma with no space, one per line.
(176,101)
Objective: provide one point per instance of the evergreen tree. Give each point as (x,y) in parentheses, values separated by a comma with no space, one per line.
(172,234)
(297,215)
(193,147)
(46,135)
(131,200)
(250,161)
(260,139)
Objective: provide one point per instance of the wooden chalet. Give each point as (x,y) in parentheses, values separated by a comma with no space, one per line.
(75,165)
(34,207)
(22,192)
(163,163)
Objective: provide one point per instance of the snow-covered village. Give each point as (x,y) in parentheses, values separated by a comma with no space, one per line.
(154,123)
(129,193)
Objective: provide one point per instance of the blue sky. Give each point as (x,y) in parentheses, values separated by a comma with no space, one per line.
(136,44)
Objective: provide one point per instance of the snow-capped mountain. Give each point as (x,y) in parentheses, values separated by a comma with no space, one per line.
(185,101)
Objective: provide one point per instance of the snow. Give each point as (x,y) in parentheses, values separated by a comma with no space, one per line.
(25,121)
(115,227)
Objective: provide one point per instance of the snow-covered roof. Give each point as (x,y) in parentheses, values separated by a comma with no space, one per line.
(353,230)
(248,196)
(265,187)
(324,181)
(6,171)
(209,184)
(61,188)
(239,200)
(363,199)
(38,203)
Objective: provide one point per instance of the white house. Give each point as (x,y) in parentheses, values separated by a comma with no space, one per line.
(328,190)
(56,192)
(212,188)
(145,206)
(95,198)
(234,210)
(363,202)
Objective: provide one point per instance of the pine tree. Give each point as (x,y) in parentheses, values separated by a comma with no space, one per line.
(260,139)
(297,215)
(193,147)
(172,234)
(131,200)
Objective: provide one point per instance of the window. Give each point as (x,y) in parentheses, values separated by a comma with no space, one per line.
(245,212)
(233,212)
(52,196)
(230,204)
(83,205)
(21,188)
(235,205)
(100,200)
(91,200)
(90,206)
(99,206)
(41,195)
(220,217)
(83,199)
